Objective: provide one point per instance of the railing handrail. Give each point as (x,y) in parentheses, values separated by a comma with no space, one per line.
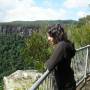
(40,80)
(83,48)
(47,72)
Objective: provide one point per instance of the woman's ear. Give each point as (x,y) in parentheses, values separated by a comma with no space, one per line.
(61,33)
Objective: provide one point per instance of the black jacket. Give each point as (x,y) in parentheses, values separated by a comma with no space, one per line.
(60,61)
(62,55)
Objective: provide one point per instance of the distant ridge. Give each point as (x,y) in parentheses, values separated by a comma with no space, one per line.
(38,22)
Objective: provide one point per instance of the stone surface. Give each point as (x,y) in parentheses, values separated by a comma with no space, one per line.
(20,80)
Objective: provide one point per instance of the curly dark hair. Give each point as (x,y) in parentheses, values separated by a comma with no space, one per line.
(57,32)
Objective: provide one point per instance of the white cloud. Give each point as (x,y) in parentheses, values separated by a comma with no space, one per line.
(81,14)
(12,10)
(6,4)
(34,13)
(10,4)
(76,3)
(27,10)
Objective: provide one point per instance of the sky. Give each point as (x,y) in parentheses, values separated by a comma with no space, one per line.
(31,10)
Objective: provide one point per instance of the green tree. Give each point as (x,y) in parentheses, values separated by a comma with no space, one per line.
(80,33)
(10,57)
(36,51)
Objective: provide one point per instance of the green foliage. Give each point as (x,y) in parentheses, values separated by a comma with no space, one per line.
(36,51)
(1,86)
(80,33)
(10,58)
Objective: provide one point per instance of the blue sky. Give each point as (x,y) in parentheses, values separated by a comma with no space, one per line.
(31,10)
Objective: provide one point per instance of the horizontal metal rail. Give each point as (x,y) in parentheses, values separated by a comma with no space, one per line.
(83,48)
(40,80)
(43,77)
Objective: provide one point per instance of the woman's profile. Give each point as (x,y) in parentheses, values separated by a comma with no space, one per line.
(60,61)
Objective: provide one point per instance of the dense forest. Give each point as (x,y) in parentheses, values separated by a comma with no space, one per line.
(24,45)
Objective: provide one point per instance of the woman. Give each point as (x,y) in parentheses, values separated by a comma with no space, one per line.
(61,58)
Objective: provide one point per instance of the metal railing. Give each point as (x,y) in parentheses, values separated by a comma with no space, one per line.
(80,65)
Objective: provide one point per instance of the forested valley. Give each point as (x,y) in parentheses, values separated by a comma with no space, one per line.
(24,45)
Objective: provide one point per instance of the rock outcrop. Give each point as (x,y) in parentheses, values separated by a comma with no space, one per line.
(20,80)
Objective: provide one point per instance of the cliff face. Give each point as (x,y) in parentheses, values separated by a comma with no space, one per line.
(21,30)
(27,27)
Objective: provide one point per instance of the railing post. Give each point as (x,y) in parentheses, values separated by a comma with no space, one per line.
(85,74)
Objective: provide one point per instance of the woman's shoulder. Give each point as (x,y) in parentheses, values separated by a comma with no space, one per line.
(64,44)
(68,46)
(67,43)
